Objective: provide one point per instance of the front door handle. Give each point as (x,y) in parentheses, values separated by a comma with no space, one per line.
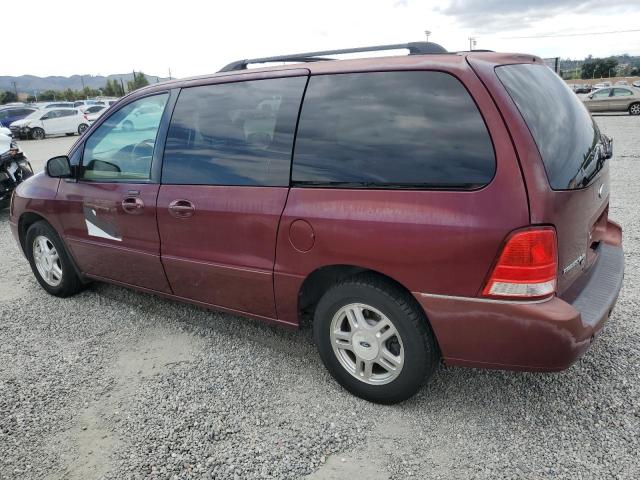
(181,209)
(133,205)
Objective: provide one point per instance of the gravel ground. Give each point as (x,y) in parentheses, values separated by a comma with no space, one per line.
(117,384)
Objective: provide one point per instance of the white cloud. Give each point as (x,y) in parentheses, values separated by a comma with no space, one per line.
(194,37)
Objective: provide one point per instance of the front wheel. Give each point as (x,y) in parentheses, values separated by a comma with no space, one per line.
(374,339)
(37,133)
(49,261)
(634,109)
(82,128)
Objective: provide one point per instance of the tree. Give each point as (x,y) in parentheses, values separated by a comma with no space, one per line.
(599,67)
(108,89)
(139,81)
(49,95)
(113,88)
(8,97)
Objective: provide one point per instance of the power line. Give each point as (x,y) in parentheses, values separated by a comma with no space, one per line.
(572,34)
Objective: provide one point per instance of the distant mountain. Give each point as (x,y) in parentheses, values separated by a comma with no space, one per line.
(30,83)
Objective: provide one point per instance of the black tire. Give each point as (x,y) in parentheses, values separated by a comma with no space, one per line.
(418,343)
(37,134)
(69,134)
(70,283)
(82,128)
(634,109)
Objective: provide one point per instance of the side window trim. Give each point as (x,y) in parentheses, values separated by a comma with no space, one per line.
(161,138)
(162,129)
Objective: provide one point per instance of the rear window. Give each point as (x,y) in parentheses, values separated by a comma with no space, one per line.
(391,129)
(561,126)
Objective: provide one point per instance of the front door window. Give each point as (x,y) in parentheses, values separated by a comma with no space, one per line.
(121,149)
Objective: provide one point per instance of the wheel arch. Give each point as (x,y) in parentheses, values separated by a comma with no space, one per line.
(24,222)
(322,278)
(29,218)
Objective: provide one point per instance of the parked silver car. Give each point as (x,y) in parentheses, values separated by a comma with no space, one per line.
(614,99)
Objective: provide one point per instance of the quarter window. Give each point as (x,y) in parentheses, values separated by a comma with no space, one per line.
(122,147)
(234,133)
(391,129)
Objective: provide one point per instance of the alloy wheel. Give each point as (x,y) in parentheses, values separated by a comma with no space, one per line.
(47,260)
(367,344)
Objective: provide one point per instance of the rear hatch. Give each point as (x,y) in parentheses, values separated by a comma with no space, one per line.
(562,155)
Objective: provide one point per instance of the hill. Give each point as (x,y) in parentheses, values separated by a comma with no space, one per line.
(31,83)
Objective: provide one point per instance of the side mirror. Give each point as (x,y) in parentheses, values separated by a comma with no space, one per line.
(59,167)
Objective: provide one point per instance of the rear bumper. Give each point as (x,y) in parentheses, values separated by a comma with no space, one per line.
(543,336)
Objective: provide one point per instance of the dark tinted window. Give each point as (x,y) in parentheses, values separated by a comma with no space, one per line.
(413,129)
(562,128)
(233,134)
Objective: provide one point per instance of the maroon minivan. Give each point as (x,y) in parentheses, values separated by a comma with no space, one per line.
(422,208)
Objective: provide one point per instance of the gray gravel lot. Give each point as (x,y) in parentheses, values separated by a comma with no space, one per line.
(117,384)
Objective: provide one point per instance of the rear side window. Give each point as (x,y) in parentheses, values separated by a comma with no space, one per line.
(561,126)
(391,129)
(234,133)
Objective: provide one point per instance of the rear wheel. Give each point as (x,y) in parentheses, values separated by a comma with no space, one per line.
(374,339)
(49,261)
(634,109)
(82,128)
(37,133)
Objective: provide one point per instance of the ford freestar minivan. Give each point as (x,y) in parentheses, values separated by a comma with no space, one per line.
(422,208)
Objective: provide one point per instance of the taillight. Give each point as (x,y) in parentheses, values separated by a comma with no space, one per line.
(527,266)
(86,118)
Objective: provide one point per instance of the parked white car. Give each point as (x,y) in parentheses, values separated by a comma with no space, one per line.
(53,121)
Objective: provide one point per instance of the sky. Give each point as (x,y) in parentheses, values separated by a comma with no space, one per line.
(192,37)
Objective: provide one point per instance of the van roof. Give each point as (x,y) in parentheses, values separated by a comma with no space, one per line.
(314,64)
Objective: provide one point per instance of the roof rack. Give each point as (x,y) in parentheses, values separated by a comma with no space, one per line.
(415,48)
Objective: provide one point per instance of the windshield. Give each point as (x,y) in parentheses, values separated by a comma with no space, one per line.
(567,137)
(35,115)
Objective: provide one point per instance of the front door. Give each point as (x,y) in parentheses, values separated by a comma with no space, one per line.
(110,220)
(225,181)
(599,101)
(53,122)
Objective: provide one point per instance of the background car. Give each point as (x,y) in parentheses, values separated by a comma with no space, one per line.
(8,115)
(54,121)
(86,103)
(614,99)
(621,83)
(47,105)
(636,83)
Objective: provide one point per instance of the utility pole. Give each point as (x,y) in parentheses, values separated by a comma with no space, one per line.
(122,85)
(169,73)
(15,88)
(82,81)
(427,33)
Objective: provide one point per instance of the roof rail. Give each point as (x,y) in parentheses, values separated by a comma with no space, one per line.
(415,48)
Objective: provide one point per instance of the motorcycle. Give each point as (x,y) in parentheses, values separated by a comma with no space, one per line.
(14,167)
